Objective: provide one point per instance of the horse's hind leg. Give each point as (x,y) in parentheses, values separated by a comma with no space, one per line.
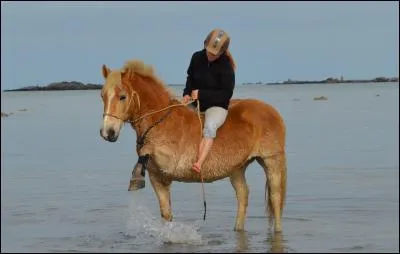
(238,181)
(162,190)
(275,170)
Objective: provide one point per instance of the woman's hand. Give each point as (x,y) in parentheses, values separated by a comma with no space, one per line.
(186,99)
(195,94)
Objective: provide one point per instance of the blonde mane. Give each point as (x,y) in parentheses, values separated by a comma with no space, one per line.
(144,70)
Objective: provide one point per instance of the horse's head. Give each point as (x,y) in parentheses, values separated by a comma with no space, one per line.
(121,99)
(117,99)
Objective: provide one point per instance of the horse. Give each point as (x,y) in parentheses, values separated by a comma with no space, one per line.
(169,132)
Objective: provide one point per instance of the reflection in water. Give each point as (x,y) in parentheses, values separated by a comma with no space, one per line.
(276,242)
(241,241)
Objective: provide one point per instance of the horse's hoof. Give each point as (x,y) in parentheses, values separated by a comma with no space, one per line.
(278,229)
(136,184)
(238,229)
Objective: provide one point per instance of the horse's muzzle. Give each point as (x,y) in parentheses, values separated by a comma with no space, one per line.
(112,139)
(110,135)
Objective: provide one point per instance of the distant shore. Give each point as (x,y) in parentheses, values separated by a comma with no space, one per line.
(331,81)
(59,86)
(75,85)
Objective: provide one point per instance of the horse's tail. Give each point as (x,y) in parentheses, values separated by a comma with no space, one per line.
(283,183)
(277,167)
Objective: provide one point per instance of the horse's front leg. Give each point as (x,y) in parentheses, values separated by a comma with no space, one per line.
(162,189)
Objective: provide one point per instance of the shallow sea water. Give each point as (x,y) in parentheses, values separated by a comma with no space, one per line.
(64,189)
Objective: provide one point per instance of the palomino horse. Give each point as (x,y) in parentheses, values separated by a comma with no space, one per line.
(168,136)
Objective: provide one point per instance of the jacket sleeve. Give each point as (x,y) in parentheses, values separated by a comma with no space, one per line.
(189,79)
(225,90)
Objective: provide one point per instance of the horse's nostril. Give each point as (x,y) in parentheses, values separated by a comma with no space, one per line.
(111,134)
(101,131)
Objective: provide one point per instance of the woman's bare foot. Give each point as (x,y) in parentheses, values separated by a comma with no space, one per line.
(196,167)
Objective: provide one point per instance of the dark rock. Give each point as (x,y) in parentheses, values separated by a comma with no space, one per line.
(3,114)
(60,86)
(321,98)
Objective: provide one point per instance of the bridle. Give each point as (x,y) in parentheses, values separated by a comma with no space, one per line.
(140,139)
(150,113)
(130,101)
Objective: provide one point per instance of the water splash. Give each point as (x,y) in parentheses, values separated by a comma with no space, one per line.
(141,222)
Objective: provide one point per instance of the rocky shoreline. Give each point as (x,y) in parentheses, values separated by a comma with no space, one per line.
(4,114)
(60,86)
(75,85)
(333,80)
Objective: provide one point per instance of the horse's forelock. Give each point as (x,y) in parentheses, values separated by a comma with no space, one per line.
(114,79)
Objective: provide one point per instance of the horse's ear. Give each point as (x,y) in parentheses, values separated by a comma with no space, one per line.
(105,70)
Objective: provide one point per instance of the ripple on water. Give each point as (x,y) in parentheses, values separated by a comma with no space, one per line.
(142,221)
(355,248)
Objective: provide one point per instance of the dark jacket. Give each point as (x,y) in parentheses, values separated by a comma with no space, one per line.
(214,80)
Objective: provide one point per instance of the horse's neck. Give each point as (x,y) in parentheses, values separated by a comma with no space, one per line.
(149,114)
(169,113)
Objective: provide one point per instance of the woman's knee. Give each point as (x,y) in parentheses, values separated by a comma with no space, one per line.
(210,129)
(215,117)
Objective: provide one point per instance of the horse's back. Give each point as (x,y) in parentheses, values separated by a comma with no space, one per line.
(257,112)
(250,120)
(258,125)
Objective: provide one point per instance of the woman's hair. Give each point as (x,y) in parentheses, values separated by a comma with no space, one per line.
(217,43)
(229,55)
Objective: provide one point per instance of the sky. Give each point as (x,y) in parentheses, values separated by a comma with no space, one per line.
(45,42)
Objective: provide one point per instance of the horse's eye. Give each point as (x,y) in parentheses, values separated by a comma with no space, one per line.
(122,97)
